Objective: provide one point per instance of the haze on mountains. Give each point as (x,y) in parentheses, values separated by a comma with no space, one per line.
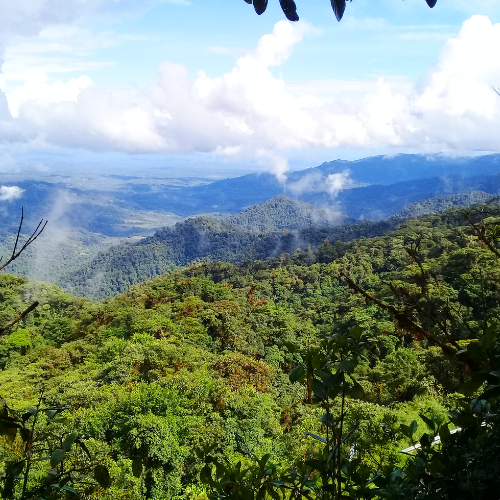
(102,242)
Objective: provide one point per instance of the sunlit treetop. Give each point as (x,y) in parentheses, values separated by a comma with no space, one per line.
(290,9)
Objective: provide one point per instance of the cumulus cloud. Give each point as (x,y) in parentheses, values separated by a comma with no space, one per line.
(44,93)
(249,112)
(9,193)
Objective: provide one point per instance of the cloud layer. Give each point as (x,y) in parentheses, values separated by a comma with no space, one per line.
(250,112)
(9,193)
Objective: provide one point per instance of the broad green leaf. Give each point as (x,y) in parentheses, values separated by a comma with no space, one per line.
(289,9)
(345,366)
(57,457)
(473,384)
(84,447)
(413,427)
(476,352)
(338,7)
(15,468)
(491,392)
(318,360)
(206,475)
(297,374)
(444,431)
(409,430)
(69,489)
(10,433)
(137,466)
(490,335)
(30,413)
(319,389)
(293,348)
(315,436)
(261,494)
(356,332)
(425,440)
(69,440)
(101,475)
(259,6)
(326,419)
(356,391)
(263,461)
(429,422)
(61,420)
(435,465)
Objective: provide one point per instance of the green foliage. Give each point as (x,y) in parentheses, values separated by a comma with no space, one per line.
(42,459)
(284,377)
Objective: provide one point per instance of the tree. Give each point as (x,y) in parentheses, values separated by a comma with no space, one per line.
(290,9)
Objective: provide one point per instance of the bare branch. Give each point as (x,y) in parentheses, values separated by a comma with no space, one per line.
(34,235)
(480,230)
(11,323)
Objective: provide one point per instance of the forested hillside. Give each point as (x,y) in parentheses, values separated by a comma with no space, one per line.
(443,203)
(282,212)
(204,239)
(230,240)
(177,386)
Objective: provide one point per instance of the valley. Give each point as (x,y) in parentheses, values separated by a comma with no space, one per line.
(100,241)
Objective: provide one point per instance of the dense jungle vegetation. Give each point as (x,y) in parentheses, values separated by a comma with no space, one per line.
(300,376)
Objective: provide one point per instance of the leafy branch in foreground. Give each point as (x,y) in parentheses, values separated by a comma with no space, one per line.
(290,9)
(41,459)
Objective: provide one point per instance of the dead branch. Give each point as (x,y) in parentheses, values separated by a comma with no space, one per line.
(11,323)
(480,231)
(402,319)
(34,235)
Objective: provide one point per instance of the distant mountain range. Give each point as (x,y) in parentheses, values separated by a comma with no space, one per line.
(385,186)
(99,242)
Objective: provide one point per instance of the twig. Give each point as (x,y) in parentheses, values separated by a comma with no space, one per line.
(34,235)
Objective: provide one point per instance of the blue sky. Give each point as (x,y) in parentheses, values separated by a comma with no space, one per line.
(121,79)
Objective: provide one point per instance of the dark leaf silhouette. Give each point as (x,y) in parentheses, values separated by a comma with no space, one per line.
(290,9)
(338,7)
(260,6)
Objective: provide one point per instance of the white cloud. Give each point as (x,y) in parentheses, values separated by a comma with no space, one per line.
(56,49)
(44,93)
(9,193)
(249,112)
